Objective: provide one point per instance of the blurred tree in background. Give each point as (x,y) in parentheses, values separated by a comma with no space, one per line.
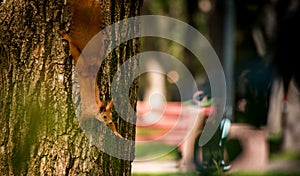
(264,50)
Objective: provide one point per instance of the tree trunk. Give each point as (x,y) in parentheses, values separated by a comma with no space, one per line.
(40,132)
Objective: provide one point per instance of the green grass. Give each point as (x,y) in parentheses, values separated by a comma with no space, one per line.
(167,152)
(284,156)
(263,174)
(156,150)
(233,174)
(168,174)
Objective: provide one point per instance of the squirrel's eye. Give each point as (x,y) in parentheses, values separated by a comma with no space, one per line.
(105,116)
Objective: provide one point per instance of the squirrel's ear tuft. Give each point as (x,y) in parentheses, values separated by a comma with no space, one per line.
(109,106)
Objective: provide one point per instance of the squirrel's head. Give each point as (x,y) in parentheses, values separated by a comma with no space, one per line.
(105,114)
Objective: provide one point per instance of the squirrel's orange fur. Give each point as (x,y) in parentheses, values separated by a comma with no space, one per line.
(86,21)
(85,24)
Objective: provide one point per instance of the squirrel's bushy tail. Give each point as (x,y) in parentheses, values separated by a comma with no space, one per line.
(86,21)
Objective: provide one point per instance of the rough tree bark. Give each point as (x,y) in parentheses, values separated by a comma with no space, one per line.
(40,134)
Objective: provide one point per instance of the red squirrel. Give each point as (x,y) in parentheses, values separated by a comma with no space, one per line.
(86,23)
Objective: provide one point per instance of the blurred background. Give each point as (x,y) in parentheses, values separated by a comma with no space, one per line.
(257,44)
